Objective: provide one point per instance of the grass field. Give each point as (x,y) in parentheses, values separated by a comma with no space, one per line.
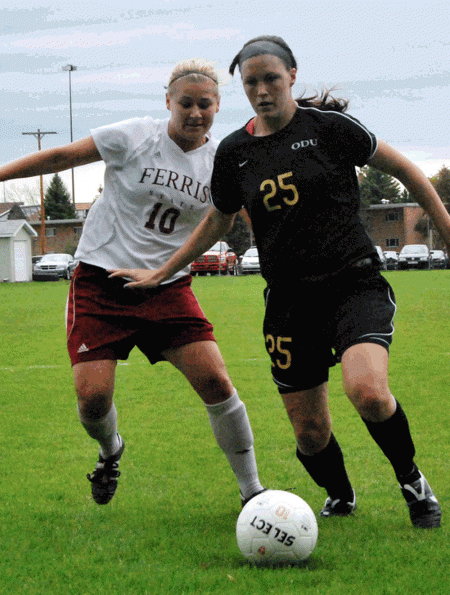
(171,526)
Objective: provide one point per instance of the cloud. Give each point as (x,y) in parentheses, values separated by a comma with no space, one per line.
(90,39)
(128,76)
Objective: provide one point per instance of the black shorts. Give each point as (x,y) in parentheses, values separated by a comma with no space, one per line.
(308,328)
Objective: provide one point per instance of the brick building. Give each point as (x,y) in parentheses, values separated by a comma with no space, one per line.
(61,235)
(391,226)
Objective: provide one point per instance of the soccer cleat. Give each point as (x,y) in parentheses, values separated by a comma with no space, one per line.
(338,507)
(104,478)
(424,508)
(245,500)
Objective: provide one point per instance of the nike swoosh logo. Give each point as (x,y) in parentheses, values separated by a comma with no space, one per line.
(243,163)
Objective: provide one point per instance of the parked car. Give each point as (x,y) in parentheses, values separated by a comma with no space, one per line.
(382,257)
(35,259)
(438,259)
(218,259)
(391,259)
(250,262)
(54,265)
(414,256)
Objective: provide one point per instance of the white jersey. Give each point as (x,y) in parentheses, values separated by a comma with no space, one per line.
(154,196)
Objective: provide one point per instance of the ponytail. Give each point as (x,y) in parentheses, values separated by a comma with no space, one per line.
(323,101)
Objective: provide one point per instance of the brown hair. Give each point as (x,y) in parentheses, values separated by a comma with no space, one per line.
(323,100)
(284,52)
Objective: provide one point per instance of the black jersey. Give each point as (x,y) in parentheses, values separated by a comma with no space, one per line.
(300,188)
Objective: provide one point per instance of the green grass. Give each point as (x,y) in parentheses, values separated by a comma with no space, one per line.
(171,526)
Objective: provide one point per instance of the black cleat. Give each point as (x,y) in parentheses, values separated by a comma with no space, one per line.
(338,507)
(104,478)
(424,508)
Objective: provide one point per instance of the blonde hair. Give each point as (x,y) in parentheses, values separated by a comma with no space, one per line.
(196,69)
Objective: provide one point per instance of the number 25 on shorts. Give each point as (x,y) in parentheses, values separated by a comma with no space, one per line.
(276,346)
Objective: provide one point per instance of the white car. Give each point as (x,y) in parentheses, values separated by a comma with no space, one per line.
(250,262)
(391,259)
(382,257)
(414,256)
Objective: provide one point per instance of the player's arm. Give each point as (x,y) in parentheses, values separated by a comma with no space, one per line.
(52,160)
(391,162)
(213,227)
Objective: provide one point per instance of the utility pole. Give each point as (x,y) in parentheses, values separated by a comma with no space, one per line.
(39,135)
(70,68)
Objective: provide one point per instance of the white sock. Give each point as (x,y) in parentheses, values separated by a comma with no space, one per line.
(231,427)
(104,430)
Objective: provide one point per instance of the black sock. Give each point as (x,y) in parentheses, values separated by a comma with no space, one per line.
(328,470)
(394,439)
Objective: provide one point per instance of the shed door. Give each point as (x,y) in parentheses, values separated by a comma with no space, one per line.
(20,261)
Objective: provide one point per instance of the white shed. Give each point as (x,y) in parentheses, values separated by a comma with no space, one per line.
(15,250)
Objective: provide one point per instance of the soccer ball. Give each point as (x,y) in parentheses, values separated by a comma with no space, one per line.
(276,527)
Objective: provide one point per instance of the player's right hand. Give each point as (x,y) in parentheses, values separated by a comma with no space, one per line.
(140,278)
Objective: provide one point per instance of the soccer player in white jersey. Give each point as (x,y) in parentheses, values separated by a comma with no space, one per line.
(293,169)
(156,190)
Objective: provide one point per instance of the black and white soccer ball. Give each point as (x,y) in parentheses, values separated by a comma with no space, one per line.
(276,527)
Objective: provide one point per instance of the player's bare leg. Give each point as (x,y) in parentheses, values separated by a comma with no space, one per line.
(203,366)
(365,380)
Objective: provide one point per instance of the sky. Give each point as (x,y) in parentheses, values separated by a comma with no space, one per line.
(391,60)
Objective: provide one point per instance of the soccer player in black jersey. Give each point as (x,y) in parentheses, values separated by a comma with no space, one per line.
(293,169)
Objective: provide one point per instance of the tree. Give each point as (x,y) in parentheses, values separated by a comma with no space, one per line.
(27,191)
(58,204)
(441,183)
(239,238)
(376,186)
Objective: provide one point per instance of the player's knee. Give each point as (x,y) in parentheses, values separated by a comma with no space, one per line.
(214,387)
(370,397)
(93,403)
(312,435)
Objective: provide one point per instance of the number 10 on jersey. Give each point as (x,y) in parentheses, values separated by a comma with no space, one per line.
(165,221)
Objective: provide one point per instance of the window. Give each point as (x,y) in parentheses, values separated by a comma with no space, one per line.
(392,216)
(392,242)
(77,231)
(50,232)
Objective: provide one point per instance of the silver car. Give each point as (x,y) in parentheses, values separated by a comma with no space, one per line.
(250,262)
(54,265)
(438,259)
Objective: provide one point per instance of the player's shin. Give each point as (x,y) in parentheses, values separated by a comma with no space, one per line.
(327,469)
(394,439)
(231,426)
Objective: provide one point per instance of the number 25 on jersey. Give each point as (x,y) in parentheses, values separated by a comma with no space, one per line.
(280,191)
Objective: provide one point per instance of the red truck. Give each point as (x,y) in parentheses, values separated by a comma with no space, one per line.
(219,259)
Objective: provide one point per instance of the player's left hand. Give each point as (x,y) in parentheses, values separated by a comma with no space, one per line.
(140,277)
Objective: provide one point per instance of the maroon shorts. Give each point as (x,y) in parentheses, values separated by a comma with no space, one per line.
(106,320)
